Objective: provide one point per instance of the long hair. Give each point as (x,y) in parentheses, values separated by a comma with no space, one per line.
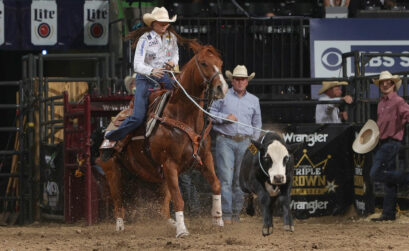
(136,34)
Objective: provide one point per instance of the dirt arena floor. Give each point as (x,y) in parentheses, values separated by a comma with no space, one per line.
(322,233)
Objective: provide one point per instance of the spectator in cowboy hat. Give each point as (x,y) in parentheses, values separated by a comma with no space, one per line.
(330,113)
(233,139)
(393,113)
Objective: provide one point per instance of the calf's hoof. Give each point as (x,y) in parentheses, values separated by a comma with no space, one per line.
(218,221)
(120,224)
(289,228)
(267,230)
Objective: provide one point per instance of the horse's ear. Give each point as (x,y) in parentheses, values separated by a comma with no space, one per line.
(195,46)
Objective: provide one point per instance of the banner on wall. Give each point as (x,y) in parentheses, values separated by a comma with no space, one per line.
(364,35)
(54,24)
(44,22)
(323,178)
(96,22)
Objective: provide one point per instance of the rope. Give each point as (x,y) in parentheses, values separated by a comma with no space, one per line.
(208,113)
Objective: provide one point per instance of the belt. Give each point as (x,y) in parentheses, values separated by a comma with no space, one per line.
(382,141)
(237,137)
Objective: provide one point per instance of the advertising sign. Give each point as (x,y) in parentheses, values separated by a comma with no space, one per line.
(330,38)
(322,182)
(96,22)
(44,22)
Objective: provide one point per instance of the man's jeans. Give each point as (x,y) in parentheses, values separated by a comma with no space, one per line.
(383,170)
(144,86)
(229,154)
(189,191)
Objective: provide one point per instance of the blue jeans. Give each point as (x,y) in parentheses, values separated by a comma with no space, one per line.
(229,154)
(189,191)
(383,170)
(144,86)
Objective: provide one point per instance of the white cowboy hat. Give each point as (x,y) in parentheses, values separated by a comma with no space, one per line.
(240,72)
(386,75)
(326,85)
(158,14)
(367,138)
(128,81)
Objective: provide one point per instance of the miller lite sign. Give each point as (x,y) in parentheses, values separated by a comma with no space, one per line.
(1,22)
(44,22)
(96,22)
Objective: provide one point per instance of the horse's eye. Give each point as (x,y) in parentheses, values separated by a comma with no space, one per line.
(203,64)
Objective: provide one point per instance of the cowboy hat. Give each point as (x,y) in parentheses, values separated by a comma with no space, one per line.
(128,81)
(239,72)
(326,85)
(158,14)
(386,75)
(367,138)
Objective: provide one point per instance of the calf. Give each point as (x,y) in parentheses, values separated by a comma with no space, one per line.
(267,170)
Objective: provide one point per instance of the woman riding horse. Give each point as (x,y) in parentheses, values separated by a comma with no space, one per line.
(178,142)
(156,49)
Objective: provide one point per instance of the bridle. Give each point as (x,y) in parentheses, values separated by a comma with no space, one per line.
(205,80)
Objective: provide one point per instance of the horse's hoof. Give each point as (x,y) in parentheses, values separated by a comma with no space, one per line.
(267,230)
(218,221)
(182,234)
(289,228)
(120,224)
(172,222)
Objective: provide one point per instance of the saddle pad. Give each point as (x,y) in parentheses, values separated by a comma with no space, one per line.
(157,110)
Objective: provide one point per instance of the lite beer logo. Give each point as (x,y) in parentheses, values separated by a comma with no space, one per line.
(96,18)
(1,22)
(44,22)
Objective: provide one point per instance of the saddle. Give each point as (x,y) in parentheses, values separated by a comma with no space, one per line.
(157,101)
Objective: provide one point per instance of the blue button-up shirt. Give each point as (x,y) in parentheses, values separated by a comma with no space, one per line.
(246,109)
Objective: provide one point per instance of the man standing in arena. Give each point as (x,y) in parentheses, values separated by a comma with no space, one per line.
(233,139)
(393,113)
(330,113)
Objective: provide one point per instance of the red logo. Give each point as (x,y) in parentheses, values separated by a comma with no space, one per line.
(43,30)
(97,30)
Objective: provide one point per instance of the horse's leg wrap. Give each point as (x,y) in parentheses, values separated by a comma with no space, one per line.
(120,224)
(181,230)
(217,210)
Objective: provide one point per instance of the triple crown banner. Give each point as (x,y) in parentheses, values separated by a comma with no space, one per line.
(323,171)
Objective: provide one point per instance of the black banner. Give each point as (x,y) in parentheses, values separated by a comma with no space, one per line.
(323,173)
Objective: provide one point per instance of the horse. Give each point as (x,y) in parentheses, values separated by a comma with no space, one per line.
(178,142)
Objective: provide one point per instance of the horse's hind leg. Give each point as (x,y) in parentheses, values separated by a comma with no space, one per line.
(171,175)
(113,176)
(208,172)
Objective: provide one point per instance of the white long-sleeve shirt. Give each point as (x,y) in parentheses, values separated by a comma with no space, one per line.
(327,113)
(153,51)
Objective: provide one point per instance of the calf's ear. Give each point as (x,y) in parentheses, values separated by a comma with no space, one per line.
(294,147)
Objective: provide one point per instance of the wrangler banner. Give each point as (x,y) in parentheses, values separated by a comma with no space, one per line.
(323,171)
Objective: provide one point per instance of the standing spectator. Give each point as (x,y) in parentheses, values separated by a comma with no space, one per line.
(393,113)
(233,139)
(330,113)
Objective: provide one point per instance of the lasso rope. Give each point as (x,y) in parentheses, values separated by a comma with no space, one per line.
(209,114)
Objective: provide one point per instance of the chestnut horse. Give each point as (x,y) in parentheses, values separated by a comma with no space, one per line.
(172,146)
